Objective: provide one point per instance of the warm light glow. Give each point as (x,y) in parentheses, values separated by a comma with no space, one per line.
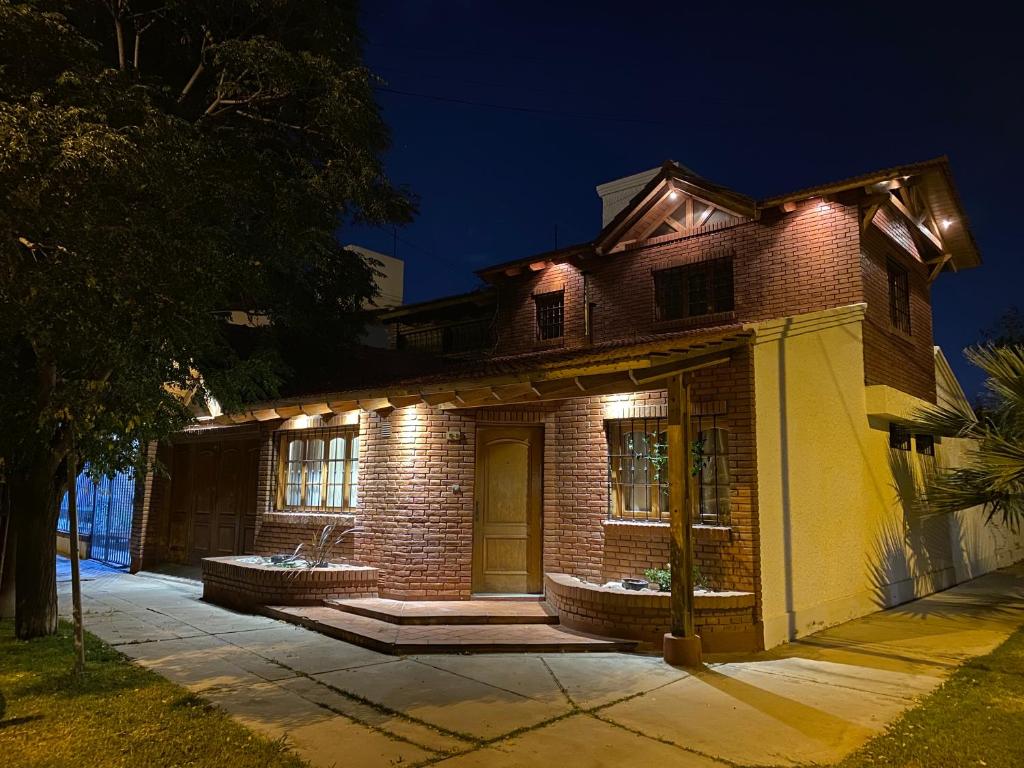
(946,223)
(673,195)
(616,406)
(824,207)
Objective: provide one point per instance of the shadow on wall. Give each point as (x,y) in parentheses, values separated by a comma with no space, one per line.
(913,548)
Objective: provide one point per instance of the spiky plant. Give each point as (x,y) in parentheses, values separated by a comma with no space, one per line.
(993,475)
(318,552)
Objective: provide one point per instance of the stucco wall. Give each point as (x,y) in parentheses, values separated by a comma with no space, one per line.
(841,534)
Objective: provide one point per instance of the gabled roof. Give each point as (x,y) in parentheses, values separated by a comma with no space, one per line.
(933,179)
(940,211)
(672,177)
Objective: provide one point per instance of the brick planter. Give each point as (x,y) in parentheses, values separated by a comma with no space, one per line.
(725,620)
(234,583)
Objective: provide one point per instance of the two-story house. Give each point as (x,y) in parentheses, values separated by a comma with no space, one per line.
(512,440)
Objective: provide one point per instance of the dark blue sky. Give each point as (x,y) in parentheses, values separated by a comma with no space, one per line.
(765,100)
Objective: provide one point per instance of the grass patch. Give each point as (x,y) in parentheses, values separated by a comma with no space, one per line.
(117,714)
(974,719)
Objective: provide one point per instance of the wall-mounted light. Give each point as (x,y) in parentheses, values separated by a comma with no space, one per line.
(946,223)
(673,195)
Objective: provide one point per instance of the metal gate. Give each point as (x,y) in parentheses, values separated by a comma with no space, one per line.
(104,516)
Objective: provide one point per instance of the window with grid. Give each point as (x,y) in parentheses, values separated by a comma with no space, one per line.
(899,437)
(899,296)
(550,315)
(711,465)
(693,290)
(318,469)
(925,444)
(638,470)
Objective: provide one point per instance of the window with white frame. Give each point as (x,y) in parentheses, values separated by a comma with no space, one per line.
(318,469)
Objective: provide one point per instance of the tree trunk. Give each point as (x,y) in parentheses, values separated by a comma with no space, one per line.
(8,557)
(34,508)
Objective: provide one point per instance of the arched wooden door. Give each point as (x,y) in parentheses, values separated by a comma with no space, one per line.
(507,519)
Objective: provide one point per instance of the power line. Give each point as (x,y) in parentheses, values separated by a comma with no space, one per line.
(530,110)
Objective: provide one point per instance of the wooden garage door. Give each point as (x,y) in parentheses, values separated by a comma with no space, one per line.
(213,497)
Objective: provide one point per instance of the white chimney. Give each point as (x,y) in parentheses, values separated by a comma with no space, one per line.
(615,194)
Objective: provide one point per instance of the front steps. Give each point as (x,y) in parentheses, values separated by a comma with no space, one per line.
(412,627)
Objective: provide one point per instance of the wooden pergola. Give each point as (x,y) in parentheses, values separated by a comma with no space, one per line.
(627,369)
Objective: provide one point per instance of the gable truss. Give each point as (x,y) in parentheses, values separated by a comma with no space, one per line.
(906,201)
(676,213)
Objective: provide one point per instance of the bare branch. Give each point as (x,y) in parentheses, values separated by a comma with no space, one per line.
(200,68)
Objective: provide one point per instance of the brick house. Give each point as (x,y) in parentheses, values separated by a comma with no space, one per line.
(511,440)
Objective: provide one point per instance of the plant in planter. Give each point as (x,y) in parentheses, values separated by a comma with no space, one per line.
(318,552)
(662,577)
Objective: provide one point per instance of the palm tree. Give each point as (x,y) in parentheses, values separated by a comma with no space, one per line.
(993,475)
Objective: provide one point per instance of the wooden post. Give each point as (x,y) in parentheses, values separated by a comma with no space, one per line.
(681,645)
(76,581)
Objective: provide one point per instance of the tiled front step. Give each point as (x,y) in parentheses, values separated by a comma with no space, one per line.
(445,638)
(433,612)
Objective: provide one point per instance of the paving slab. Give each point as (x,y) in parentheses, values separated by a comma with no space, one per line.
(304,651)
(526,675)
(580,741)
(722,716)
(340,743)
(600,678)
(416,733)
(444,699)
(269,708)
(203,663)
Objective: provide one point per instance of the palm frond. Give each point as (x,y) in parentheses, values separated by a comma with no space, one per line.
(992,476)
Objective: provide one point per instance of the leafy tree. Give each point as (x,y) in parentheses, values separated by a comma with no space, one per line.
(161,164)
(1008,329)
(993,475)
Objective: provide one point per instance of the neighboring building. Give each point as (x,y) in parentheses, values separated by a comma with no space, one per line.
(390,291)
(518,431)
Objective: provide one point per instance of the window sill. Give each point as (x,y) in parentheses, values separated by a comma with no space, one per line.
(700,531)
(715,318)
(541,344)
(305,517)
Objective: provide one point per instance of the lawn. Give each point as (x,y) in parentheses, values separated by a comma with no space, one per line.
(976,718)
(118,714)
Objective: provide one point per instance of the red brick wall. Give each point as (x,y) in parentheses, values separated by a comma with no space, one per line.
(417,530)
(576,539)
(517,312)
(891,356)
(803,261)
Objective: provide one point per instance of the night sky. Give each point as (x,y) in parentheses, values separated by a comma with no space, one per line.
(565,96)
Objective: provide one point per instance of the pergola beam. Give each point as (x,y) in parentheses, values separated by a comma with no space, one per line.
(643,376)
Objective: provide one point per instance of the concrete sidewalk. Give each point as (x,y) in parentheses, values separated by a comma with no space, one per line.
(341,705)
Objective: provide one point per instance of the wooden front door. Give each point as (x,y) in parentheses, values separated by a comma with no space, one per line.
(507,525)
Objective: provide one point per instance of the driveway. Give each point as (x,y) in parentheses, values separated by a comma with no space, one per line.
(341,705)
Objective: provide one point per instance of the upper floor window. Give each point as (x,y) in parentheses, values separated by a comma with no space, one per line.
(899,296)
(693,290)
(319,469)
(550,315)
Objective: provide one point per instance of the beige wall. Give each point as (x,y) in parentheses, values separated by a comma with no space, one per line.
(841,532)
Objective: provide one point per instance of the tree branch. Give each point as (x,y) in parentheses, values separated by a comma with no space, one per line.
(200,68)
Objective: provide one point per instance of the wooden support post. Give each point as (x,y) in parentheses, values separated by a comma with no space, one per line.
(682,645)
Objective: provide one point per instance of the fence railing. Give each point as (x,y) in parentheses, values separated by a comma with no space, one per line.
(104,516)
(469,336)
